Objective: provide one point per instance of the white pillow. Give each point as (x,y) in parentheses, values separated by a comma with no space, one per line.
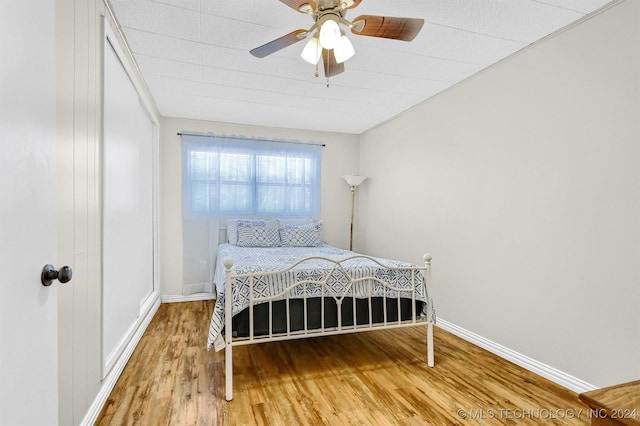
(308,235)
(232,231)
(258,233)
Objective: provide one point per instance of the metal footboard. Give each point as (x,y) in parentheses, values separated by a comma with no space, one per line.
(364,286)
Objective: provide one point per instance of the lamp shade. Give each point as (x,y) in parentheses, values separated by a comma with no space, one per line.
(312,51)
(329,34)
(343,50)
(353,180)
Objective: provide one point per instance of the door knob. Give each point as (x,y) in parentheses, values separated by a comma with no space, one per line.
(49,274)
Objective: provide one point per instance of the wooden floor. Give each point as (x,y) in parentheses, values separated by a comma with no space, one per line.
(377,377)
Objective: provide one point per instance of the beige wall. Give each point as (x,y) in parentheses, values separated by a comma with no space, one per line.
(339,157)
(523,182)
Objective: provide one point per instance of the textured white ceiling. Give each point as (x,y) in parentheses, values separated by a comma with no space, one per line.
(194,55)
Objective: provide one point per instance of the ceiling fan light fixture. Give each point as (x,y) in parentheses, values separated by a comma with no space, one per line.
(329,33)
(328,41)
(312,51)
(343,50)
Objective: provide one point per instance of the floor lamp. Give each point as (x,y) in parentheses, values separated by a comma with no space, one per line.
(354,182)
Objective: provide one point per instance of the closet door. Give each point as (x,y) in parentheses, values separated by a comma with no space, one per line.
(127,211)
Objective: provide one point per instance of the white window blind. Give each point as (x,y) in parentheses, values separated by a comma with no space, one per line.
(225,176)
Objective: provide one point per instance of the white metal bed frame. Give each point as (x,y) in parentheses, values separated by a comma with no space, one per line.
(416,319)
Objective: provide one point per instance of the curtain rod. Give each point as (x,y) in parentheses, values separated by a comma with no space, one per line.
(255,139)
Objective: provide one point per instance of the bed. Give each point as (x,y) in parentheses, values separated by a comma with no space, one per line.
(291,288)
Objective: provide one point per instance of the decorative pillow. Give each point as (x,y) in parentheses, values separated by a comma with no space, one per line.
(309,235)
(258,233)
(232,231)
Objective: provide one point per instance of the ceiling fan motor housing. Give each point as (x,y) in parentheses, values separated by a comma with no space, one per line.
(324,5)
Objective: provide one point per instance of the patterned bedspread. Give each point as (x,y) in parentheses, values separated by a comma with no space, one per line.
(249,260)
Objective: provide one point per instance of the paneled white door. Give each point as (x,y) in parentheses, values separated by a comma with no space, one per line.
(28,237)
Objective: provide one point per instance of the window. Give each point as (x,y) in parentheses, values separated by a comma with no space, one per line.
(234,176)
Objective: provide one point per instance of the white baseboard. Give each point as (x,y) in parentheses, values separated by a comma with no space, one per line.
(110,380)
(557,376)
(174,298)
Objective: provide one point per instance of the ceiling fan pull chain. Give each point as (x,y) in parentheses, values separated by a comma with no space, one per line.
(327,83)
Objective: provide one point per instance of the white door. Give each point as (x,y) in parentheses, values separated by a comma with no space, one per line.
(28,310)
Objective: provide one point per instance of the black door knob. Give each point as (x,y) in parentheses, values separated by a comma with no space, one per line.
(49,274)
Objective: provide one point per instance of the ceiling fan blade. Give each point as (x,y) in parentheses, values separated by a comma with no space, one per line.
(387,27)
(302,6)
(331,67)
(279,43)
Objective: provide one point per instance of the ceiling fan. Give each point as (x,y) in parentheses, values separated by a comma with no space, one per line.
(327,38)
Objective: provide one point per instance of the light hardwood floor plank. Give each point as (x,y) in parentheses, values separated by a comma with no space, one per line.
(378,377)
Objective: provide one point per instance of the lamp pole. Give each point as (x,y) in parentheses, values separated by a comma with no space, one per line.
(353,207)
(353,181)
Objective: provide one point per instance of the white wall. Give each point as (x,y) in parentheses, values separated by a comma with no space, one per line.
(339,157)
(79,39)
(523,182)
